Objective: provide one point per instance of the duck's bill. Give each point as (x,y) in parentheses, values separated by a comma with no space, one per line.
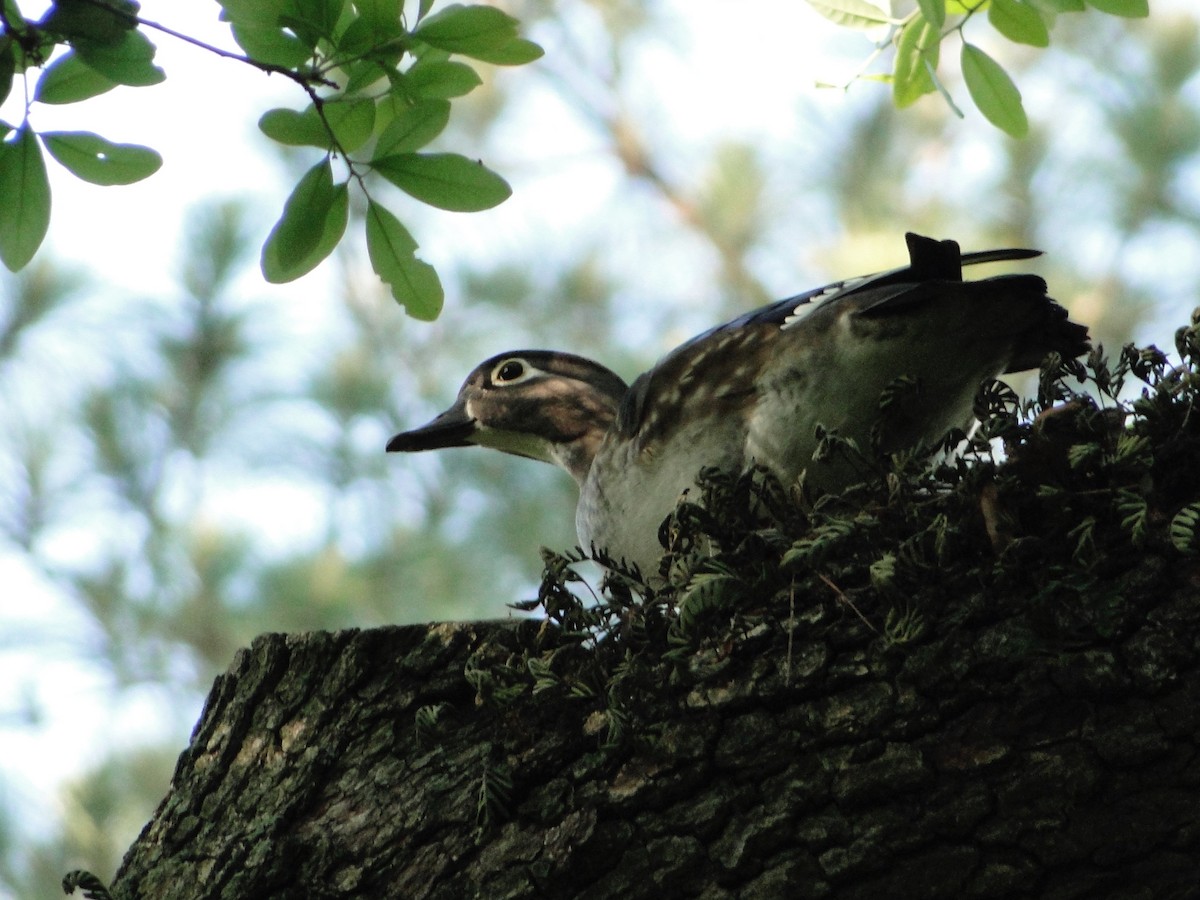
(453,428)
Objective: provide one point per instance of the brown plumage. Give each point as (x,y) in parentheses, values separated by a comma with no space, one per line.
(755,389)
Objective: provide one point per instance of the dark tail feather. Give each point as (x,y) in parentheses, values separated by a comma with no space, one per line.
(1048,331)
(1044,328)
(931,260)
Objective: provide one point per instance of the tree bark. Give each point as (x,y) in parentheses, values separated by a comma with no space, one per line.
(807,756)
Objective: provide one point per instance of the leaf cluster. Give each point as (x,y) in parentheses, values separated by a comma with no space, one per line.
(1054,502)
(918,37)
(379,90)
(103,48)
(386,90)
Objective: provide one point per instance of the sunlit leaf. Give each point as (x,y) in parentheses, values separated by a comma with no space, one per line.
(289,249)
(480,32)
(1019,22)
(94,159)
(993,91)
(460,28)
(26,192)
(851,13)
(392,251)
(934,12)
(919,41)
(294,128)
(514,52)
(1130,9)
(68,79)
(445,180)
(414,127)
(441,80)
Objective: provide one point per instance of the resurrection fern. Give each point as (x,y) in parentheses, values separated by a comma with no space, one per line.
(1054,499)
(427,721)
(83,884)
(495,791)
(1184,529)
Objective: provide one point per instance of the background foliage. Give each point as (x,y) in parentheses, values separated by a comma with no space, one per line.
(181,471)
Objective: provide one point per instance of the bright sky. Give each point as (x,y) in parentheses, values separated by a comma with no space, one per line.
(201,122)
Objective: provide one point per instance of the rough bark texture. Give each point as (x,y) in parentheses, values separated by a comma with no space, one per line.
(805,759)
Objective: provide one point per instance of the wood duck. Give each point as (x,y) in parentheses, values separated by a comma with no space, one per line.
(754,389)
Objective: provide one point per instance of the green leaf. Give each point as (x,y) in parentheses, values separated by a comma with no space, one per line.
(1130,9)
(380,14)
(919,42)
(8,67)
(445,180)
(362,76)
(26,192)
(376,35)
(934,12)
(352,121)
(130,61)
(258,13)
(1019,22)
(16,21)
(378,39)
(92,158)
(271,45)
(480,32)
(101,23)
(302,229)
(457,28)
(514,52)
(334,227)
(414,127)
(993,91)
(851,13)
(293,128)
(68,79)
(392,251)
(441,80)
(312,20)
(1184,529)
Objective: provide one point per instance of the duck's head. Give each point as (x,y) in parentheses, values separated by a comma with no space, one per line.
(542,404)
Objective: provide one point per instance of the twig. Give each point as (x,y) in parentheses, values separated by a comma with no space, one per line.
(842,598)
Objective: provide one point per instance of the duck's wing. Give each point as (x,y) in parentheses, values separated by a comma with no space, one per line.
(717,368)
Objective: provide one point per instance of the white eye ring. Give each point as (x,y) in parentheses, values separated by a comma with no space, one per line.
(512,371)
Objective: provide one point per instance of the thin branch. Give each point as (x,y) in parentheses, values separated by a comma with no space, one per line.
(308,80)
(305,79)
(842,598)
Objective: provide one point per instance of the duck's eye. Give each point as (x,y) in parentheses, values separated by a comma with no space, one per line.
(510,370)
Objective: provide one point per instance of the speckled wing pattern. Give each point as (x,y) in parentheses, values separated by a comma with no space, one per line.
(736,349)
